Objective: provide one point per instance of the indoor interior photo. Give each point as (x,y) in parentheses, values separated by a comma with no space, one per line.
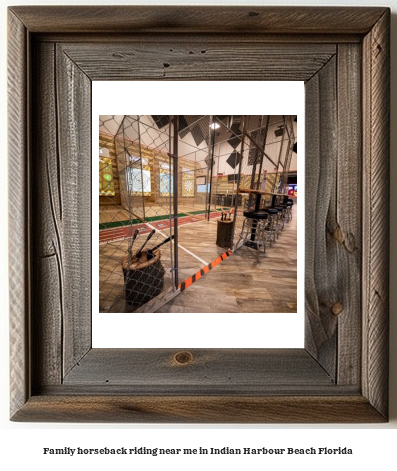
(197,213)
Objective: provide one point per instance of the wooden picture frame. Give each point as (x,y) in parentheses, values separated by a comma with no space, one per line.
(343,56)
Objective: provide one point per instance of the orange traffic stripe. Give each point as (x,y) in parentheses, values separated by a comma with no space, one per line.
(189,281)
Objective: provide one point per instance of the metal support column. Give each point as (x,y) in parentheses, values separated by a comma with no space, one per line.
(175,195)
(141,164)
(170,209)
(279,159)
(236,196)
(212,166)
(263,152)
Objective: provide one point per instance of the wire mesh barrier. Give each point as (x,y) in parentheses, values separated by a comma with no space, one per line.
(136,231)
(265,156)
(164,182)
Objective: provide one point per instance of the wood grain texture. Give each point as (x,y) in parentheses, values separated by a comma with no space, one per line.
(61,72)
(346,224)
(63,252)
(248,370)
(48,303)
(321,278)
(74,158)
(19,225)
(193,19)
(198,409)
(376,104)
(245,37)
(140,59)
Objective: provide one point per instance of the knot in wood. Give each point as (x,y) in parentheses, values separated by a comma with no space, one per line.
(337,308)
(183,358)
(338,235)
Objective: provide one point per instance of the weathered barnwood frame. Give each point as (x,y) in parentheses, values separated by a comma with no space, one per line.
(343,56)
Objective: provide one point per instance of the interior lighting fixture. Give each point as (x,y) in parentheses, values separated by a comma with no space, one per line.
(215,125)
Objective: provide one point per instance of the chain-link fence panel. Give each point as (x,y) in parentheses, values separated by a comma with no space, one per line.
(157,172)
(266,151)
(136,218)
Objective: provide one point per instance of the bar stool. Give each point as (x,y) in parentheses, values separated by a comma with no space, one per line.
(279,219)
(253,232)
(289,210)
(282,212)
(290,202)
(272,224)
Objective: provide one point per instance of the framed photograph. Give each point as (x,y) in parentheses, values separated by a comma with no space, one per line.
(342,56)
(209,222)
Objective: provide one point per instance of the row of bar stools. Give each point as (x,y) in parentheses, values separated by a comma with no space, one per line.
(287,207)
(262,225)
(284,214)
(266,229)
(254,232)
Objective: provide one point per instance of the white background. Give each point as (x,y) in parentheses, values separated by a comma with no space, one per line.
(373,445)
(228,330)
